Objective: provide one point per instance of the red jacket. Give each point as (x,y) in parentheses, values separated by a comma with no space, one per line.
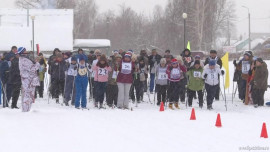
(123,77)
(176,77)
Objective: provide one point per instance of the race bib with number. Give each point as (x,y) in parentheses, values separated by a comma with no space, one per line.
(102,71)
(213,76)
(175,73)
(126,68)
(162,76)
(72,72)
(245,67)
(197,74)
(114,75)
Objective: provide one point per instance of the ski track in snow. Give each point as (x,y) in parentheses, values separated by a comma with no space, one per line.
(55,128)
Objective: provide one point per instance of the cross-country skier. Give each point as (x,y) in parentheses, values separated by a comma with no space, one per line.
(71,73)
(161,81)
(195,83)
(211,75)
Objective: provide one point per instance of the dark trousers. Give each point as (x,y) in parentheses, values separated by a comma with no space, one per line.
(243,89)
(161,93)
(40,89)
(91,86)
(217,92)
(139,87)
(131,92)
(57,88)
(191,95)
(211,92)
(152,81)
(9,88)
(240,89)
(70,91)
(174,92)
(112,94)
(15,94)
(182,90)
(258,96)
(101,89)
(7,93)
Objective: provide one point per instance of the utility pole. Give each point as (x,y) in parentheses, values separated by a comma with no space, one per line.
(249,39)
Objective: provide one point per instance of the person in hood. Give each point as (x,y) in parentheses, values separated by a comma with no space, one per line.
(211,75)
(29,77)
(259,83)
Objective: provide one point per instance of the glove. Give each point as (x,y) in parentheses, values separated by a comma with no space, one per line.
(234,62)
(222,72)
(171,68)
(75,68)
(205,76)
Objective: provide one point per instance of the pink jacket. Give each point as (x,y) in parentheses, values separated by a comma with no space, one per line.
(102,74)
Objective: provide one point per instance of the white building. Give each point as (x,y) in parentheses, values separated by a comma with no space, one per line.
(53,28)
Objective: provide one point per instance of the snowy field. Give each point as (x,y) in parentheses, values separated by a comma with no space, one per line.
(55,128)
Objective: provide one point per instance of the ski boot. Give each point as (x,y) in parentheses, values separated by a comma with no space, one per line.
(209,107)
(176,105)
(171,106)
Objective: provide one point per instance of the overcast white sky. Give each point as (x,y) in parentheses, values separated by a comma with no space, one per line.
(259,9)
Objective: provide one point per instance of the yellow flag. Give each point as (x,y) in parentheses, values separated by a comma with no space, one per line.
(188,46)
(225,64)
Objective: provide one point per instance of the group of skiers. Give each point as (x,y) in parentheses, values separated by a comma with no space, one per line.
(251,75)
(116,79)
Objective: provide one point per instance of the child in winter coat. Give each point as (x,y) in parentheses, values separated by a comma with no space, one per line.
(161,82)
(102,70)
(81,83)
(175,73)
(70,91)
(211,75)
(124,81)
(112,88)
(195,83)
(140,77)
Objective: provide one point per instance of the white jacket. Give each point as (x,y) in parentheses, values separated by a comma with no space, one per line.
(212,75)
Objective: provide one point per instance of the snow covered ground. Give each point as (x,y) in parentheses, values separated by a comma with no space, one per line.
(55,128)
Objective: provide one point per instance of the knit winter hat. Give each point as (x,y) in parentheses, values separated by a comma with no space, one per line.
(130,51)
(213,51)
(128,55)
(21,50)
(73,58)
(118,56)
(174,61)
(81,57)
(212,62)
(248,54)
(115,51)
(197,62)
(260,60)
(197,57)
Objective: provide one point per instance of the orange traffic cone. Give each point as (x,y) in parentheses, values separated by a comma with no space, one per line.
(161,107)
(218,122)
(193,116)
(264,131)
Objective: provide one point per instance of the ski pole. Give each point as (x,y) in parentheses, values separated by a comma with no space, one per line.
(224,92)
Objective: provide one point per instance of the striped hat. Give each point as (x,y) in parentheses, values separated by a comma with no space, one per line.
(128,55)
(21,50)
